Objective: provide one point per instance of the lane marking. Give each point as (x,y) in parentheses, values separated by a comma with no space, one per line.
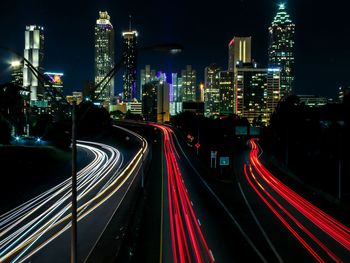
(260,226)
(212,255)
(250,242)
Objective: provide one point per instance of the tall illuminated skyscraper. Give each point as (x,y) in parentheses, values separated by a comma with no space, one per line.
(239,49)
(227,92)
(129,61)
(281,49)
(211,90)
(189,84)
(34,53)
(104,56)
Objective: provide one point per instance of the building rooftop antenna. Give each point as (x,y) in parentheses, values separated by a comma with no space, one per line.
(129,22)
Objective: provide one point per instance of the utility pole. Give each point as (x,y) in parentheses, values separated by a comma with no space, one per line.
(74,186)
(339,146)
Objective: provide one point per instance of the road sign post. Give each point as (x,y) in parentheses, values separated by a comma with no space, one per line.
(197,145)
(224,161)
(213,155)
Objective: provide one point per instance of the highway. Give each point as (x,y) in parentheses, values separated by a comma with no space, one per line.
(261,220)
(195,225)
(295,228)
(39,229)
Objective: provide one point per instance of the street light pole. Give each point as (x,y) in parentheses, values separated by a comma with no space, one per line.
(339,149)
(74,186)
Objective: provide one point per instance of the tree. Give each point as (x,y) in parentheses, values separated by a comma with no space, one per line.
(11,106)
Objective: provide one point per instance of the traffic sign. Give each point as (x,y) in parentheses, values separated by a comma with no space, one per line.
(224,161)
(197,145)
(213,154)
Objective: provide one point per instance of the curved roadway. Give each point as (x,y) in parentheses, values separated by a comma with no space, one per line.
(38,230)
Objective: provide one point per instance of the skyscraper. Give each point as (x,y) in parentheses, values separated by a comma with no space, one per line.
(281,49)
(34,53)
(211,90)
(155,101)
(104,56)
(189,84)
(175,94)
(147,75)
(129,62)
(257,92)
(239,49)
(227,93)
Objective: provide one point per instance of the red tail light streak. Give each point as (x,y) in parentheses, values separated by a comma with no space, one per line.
(188,242)
(323,236)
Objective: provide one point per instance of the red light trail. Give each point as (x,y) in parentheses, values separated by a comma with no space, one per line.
(188,243)
(320,233)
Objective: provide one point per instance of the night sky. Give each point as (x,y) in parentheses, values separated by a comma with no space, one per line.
(322,35)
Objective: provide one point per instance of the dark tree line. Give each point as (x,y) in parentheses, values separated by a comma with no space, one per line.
(55,129)
(312,142)
(11,111)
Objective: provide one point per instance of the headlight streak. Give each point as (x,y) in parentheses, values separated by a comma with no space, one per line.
(331,229)
(188,243)
(24,225)
(64,192)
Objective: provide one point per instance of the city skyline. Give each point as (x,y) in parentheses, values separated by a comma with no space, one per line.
(78,64)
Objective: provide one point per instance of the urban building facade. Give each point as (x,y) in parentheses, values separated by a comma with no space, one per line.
(104,57)
(281,49)
(175,94)
(200,92)
(134,107)
(155,101)
(227,92)
(211,90)
(257,93)
(239,49)
(34,53)
(129,62)
(189,84)
(146,75)
(56,81)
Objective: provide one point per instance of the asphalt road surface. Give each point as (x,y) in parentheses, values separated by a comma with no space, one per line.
(39,230)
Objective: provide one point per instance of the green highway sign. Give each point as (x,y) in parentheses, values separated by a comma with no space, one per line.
(224,160)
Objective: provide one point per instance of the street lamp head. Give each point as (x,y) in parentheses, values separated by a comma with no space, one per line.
(15,63)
